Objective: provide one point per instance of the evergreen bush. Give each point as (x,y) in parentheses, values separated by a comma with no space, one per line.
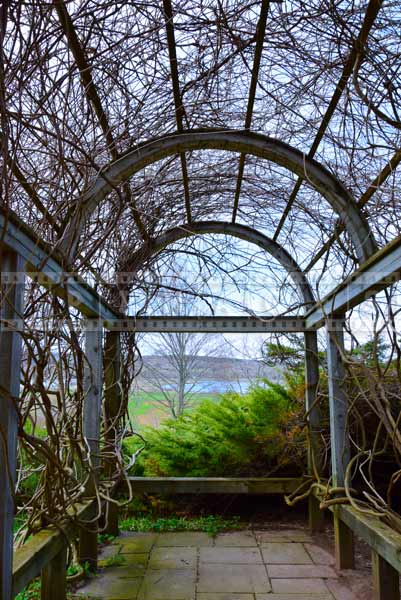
(260,433)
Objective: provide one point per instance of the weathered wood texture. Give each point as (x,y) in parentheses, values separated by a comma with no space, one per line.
(10,365)
(378,535)
(31,559)
(91,430)
(44,265)
(375,274)
(385,579)
(343,543)
(112,415)
(92,407)
(214,485)
(54,583)
(316,516)
(340,452)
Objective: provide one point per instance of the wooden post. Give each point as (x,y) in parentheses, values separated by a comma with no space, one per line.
(340,448)
(53,580)
(386,580)
(112,410)
(12,294)
(316,516)
(92,409)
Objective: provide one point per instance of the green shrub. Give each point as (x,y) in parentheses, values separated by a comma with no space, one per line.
(240,435)
(210,524)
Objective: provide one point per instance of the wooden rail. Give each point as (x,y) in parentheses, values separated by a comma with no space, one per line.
(215,485)
(384,542)
(48,545)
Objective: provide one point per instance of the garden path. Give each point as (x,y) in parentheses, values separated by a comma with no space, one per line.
(241,565)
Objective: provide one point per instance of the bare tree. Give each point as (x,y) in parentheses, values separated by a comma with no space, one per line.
(177,379)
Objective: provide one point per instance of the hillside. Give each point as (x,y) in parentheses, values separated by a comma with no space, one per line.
(210,368)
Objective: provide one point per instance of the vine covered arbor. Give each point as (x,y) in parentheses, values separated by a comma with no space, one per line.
(242,153)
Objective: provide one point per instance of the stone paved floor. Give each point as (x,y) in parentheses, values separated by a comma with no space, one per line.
(245,565)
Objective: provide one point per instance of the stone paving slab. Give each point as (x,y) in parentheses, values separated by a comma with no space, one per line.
(236,538)
(140,561)
(232,578)
(300,571)
(185,538)
(285,535)
(300,586)
(173,558)
(112,587)
(193,566)
(319,555)
(168,584)
(224,554)
(137,543)
(339,590)
(293,597)
(227,596)
(110,550)
(285,553)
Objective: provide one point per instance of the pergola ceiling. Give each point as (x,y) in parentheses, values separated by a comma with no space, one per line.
(87,81)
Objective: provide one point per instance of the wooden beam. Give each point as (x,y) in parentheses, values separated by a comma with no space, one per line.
(340,447)
(385,579)
(113,413)
(380,537)
(244,142)
(53,581)
(10,364)
(214,485)
(31,559)
(338,403)
(213,324)
(381,270)
(92,409)
(343,543)
(316,516)
(45,266)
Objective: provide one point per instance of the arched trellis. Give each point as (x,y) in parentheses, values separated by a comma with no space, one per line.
(25,246)
(153,247)
(243,142)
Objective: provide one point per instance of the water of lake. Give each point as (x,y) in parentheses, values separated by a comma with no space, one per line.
(210,386)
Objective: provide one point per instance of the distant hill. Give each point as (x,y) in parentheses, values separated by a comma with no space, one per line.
(212,368)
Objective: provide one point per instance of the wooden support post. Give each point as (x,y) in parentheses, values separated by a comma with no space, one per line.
(386,580)
(12,294)
(53,580)
(91,430)
(316,516)
(344,543)
(340,448)
(112,414)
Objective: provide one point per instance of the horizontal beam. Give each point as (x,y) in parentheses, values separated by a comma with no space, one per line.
(381,270)
(215,485)
(37,552)
(45,267)
(213,324)
(380,537)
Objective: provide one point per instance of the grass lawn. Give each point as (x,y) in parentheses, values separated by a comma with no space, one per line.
(144,407)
